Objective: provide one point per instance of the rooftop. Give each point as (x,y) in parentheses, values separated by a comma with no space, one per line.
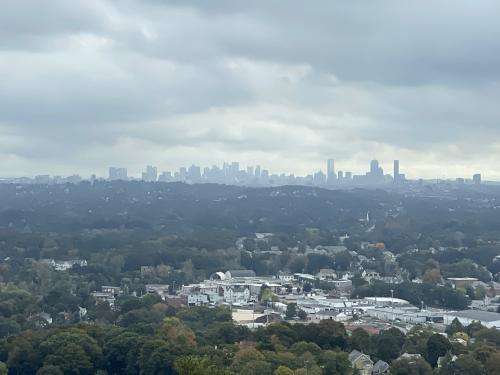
(484,316)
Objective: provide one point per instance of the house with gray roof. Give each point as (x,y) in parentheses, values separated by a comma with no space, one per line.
(361,362)
(380,367)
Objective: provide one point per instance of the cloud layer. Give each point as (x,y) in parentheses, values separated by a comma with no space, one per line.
(91,83)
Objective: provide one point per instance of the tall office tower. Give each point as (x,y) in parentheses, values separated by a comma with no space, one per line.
(376,172)
(111,173)
(250,171)
(235,169)
(225,169)
(319,178)
(477,179)
(206,173)
(257,171)
(396,171)
(330,170)
(183,173)
(348,176)
(194,173)
(118,173)
(340,176)
(151,173)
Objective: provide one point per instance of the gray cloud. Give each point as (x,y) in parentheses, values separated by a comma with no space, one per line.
(95,82)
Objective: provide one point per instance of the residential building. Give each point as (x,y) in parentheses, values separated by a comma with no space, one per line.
(361,362)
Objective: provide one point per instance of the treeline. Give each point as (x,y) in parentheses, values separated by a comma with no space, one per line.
(205,341)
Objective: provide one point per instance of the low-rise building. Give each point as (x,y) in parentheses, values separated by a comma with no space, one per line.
(160,289)
(361,362)
(380,367)
(466,317)
(461,282)
(326,274)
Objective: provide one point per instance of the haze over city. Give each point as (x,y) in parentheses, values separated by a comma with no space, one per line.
(260,187)
(98,83)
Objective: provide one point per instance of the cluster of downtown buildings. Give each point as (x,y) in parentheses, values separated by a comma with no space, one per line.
(231,173)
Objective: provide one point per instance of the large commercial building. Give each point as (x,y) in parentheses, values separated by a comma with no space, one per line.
(151,173)
(396,171)
(118,173)
(330,170)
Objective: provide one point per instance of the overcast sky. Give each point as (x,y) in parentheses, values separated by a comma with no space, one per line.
(86,84)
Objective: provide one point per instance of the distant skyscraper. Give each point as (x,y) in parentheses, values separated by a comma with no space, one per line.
(319,178)
(348,176)
(330,170)
(234,170)
(151,173)
(118,173)
(477,179)
(194,173)
(340,175)
(396,171)
(257,171)
(376,173)
(182,173)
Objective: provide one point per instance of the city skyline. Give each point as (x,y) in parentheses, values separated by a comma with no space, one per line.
(111,83)
(234,173)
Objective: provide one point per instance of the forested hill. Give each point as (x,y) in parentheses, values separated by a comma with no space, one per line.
(179,206)
(398,219)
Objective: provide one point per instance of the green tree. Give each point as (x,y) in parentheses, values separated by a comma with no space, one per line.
(150,358)
(360,340)
(488,335)
(256,368)
(483,352)
(70,358)
(50,370)
(335,363)
(416,340)
(121,352)
(291,311)
(302,315)
(389,344)
(267,295)
(437,346)
(455,327)
(417,366)
(173,329)
(302,347)
(491,364)
(24,356)
(245,356)
(195,365)
(465,365)
(283,370)
(71,350)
